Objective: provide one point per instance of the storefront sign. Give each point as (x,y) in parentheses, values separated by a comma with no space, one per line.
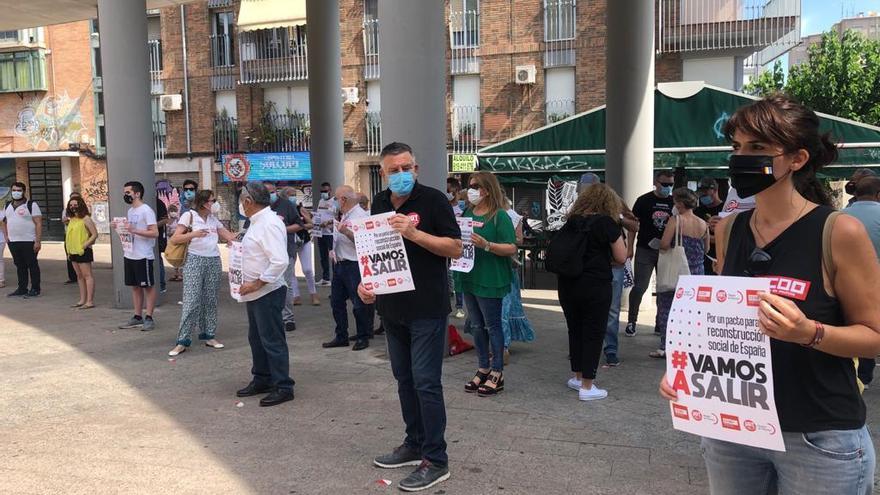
(463,163)
(242,167)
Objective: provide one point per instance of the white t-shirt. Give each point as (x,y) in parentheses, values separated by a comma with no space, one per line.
(20,222)
(735,204)
(326,212)
(2,219)
(203,246)
(142,247)
(515,217)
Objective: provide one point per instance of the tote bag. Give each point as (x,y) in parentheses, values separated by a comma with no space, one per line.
(672,263)
(176,253)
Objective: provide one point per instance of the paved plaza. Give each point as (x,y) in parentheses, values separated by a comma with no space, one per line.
(88,409)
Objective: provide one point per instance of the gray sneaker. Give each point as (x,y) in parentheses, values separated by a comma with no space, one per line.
(149,324)
(132,322)
(424,477)
(402,456)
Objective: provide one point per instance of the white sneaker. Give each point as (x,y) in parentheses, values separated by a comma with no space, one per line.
(574,383)
(459,313)
(594,393)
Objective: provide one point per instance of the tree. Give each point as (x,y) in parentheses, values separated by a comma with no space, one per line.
(769,81)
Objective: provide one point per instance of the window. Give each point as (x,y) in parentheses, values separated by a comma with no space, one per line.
(222,40)
(22,71)
(559,89)
(7,36)
(371,9)
(464,23)
(559,19)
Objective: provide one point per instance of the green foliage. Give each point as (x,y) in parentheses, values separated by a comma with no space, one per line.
(768,82)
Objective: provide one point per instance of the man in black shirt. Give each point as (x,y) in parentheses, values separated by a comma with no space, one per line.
(709,209)
(288,214)
(162,224)
(652,210)
(415,321)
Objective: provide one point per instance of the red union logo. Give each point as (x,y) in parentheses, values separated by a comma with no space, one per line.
(697,415)
(369,225)
(721,296)
(790,287)
(392,282)
(749,425)
(704,294)
(680,411)
(368,286)
(415,219)
(679,293)
(752,298)
(730,422)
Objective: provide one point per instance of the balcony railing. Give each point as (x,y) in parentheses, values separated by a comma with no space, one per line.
(223,73)
(556,110)
(31,37)
(464,40)
(273,55)
(219,4)
(465,128)
(155,50)
(374,133)
(281,133)
(750,25)
(159,135)
(371,49)
(560,31)
(225,136)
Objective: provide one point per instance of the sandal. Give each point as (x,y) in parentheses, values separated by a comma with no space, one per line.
(658,354)
(178,350)
(87,306)
(76,305)
(215,345)
(496,379)
(476,382)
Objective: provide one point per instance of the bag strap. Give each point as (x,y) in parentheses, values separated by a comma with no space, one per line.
(678,241)
(827,256)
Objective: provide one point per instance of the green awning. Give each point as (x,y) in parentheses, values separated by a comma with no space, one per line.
(688,119)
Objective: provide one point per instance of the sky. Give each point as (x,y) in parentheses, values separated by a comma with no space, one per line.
(819,15)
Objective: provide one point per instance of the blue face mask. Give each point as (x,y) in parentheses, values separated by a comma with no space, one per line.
(189,195)
(666,191)
(273,197)
(705,200)
(461,204)
(401,183)
(292,200)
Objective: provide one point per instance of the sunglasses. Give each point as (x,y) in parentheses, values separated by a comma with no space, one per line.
(189,189)
(667,184)
(758,263)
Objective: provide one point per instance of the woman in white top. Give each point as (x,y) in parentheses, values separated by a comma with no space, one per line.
(303,250)
(201,229)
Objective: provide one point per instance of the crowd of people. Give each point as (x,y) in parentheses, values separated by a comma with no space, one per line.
(776,221)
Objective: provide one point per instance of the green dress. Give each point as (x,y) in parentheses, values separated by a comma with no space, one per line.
(491,275)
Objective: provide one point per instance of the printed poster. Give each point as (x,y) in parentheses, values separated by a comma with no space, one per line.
(383,263)
(719,362)
(235,269)
(126,238)
(466,263)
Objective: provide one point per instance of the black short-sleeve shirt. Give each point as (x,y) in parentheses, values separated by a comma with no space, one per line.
(602,231)
(162,214)
(653,212)
(432,214)
(290,216)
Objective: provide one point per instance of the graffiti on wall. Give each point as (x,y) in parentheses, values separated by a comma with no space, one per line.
(52,122)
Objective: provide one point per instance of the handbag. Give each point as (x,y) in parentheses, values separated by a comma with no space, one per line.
(672,264)
(175,254)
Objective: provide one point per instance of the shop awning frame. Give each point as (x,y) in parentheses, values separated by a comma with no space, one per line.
(254,15)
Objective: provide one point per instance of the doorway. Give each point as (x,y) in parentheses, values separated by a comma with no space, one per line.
(44,179)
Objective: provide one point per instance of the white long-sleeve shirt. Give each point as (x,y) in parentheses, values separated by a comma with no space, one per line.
(264,253)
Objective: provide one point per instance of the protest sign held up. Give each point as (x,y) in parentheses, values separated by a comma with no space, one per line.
(382,260)
(235,269)
(466,263)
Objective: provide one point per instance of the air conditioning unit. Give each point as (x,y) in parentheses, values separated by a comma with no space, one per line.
(350,96)
(525,74)
(170,102)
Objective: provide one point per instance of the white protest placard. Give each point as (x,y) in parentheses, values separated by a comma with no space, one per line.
(120,224)
(466,263)
(382,260)
(719,362)
(235,269)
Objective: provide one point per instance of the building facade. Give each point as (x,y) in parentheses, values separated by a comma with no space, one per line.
(868,24)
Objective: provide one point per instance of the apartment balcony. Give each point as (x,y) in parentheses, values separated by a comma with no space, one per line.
(22,38)
(155,51)
(273,55)
(465,129)
(225,136)
(556,110)
(743,25)
(280,133)
(223,70)
(374,133)
(560,32)
(371,49)
(159,141)
(464,40)
(23,71)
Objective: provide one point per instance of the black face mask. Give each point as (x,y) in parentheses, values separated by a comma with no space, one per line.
(751,174)
(128,199)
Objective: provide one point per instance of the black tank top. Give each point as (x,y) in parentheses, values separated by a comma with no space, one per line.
(815,391)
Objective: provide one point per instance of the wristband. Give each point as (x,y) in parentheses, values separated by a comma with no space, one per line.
(488,247)
(818,336)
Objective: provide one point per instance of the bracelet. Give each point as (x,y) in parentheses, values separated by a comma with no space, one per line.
(818,336)
(488,247)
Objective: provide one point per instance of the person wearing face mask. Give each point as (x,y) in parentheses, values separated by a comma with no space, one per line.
(850,187)
(709,210)
(324,215)
(304,250)
(293,223)
(202,270)
(141,224)
(652,211)
(453,191)
(71,272)
(189,194)
(825,315)
(79,237)
(24,231)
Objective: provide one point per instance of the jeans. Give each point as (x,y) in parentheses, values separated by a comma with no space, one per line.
(2,262)
(325,244)
(416,349)
(345,283)
(459,297)
(25,260)
(289,275)
(271,362)
(613,327)
(484,314)
(833,461)
(161,263)
(306,260)
(644,265)
(201,279)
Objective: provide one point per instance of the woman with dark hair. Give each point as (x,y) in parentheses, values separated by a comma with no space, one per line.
(693,233)
(79,238)
(304,250)
(793,234)
(200,227)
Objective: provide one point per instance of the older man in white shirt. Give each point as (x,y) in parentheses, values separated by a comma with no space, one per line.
(264,261)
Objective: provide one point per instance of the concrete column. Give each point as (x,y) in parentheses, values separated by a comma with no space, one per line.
(66,179)
(629,90)
(125,63)
(325,93)
(412,61)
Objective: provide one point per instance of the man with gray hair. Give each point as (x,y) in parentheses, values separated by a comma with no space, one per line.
(263,289)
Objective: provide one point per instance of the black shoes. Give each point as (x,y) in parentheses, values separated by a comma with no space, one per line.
(361,345)
(334,343)
(17,293)
(289,326)
(354,338)
(32,293)
(424,477)
(276,397)
(254,389)
(379,331)
(402,456)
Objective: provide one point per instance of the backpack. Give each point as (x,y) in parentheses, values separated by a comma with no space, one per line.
(30,206)
(565,253)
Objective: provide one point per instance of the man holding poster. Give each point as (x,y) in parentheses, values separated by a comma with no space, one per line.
(415,321)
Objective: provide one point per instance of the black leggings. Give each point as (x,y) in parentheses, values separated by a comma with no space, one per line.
(585,303)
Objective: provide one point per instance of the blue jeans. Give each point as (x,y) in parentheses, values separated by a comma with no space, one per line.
(614,312)
(484,314)
(325,244)
(416,349)
(268,342)
(345,283)
(833,461)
